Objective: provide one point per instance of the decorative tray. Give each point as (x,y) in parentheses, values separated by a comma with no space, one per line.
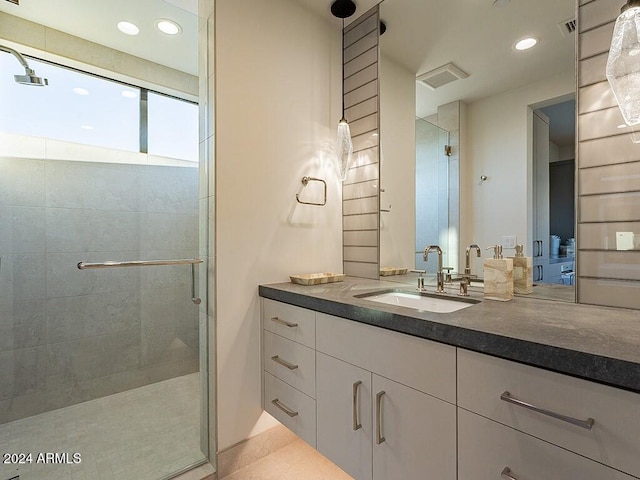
(386,271)
(317,278)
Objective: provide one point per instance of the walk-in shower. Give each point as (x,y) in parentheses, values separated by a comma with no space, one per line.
(104,367)
(29,77)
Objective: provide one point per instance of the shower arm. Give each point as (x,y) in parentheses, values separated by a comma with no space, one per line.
(20,58)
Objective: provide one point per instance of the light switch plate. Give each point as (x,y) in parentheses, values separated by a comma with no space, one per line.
(509,241)
(624,240)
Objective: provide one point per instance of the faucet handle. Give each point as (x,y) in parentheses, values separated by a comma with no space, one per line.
(448,278)
(420,279)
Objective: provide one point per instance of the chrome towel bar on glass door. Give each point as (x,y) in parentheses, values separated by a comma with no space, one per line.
(139,263)
(151,263)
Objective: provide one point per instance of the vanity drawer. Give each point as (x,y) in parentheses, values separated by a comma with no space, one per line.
(292,408)
(291,362)
(289,321)
(486,448)
(613,438)
(427,366)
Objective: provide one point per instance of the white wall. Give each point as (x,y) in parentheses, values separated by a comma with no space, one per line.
(277,108)
(398,164)
(497,145)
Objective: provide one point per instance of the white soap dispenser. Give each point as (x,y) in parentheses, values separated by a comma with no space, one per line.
(498,276)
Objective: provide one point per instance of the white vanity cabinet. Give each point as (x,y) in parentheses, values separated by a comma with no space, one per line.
(345,429)
(488,450)
(385,406)
(373,427)
(595,421)
(289,369)
(379,415)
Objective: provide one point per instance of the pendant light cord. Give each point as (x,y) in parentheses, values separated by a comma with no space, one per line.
(342,79)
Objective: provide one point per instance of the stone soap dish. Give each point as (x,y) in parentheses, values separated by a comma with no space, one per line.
(317,278)
(386,271)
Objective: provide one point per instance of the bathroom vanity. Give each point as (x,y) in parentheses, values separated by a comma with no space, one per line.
(529,389)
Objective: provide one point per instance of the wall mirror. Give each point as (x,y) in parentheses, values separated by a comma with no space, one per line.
(477,136)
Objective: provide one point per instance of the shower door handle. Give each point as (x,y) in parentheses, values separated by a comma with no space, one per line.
(151,263)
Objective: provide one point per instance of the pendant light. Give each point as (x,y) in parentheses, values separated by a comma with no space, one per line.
(344,146)
(623,64)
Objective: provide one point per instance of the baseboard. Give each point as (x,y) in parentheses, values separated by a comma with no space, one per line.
(253,449)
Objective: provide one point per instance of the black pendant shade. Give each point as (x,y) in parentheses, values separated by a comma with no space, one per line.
(343,8)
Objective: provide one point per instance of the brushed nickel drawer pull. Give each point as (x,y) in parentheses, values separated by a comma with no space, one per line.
(356,423)
(379,437)
(284,408)
(284,363)
(586,424)
(506,474)
(284,322)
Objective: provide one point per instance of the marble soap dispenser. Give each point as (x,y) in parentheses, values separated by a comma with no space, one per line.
(498,276)
(522,272)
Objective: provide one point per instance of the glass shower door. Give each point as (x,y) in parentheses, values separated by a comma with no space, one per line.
(100,367)
(432,194)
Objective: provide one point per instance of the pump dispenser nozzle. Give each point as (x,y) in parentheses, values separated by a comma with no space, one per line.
(497,251)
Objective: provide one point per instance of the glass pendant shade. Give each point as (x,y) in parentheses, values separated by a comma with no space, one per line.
(623,65)
(344,149)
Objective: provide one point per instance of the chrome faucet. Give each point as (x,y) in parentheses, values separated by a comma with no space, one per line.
(440,274)
(465,279)
(467,267)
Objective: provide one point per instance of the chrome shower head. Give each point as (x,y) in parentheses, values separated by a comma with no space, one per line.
(29,77)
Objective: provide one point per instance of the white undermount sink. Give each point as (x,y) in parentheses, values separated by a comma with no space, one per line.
(424,302)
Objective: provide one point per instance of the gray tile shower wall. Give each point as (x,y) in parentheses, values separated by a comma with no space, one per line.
(68,336)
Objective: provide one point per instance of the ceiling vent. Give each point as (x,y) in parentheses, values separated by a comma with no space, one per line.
(441,76)
(567,27)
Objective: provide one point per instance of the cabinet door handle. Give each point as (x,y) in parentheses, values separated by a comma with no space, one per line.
(379,437)
(586,424)
(356,423)
(284,408)
(284,363)
(284,322)
(506,474)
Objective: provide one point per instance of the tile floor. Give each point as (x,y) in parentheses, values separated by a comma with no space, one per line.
(296,461)
(142,434)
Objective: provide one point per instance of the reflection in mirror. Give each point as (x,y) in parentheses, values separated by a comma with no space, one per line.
(432,192)
(472,63)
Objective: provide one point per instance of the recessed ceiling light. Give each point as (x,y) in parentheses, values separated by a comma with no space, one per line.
(526,43)
(129,94)
(624,125)
(168,26)
(81,91)
(128,28)
(87,127)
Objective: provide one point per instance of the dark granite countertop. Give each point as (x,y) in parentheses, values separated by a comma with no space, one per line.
(596,343)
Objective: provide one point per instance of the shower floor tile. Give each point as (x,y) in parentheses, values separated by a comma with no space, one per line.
(143,434)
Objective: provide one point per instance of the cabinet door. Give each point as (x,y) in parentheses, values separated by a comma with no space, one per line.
(344,432)
(414,434)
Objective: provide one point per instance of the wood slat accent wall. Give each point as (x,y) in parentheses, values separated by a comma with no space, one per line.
(608,254)
(360,196)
